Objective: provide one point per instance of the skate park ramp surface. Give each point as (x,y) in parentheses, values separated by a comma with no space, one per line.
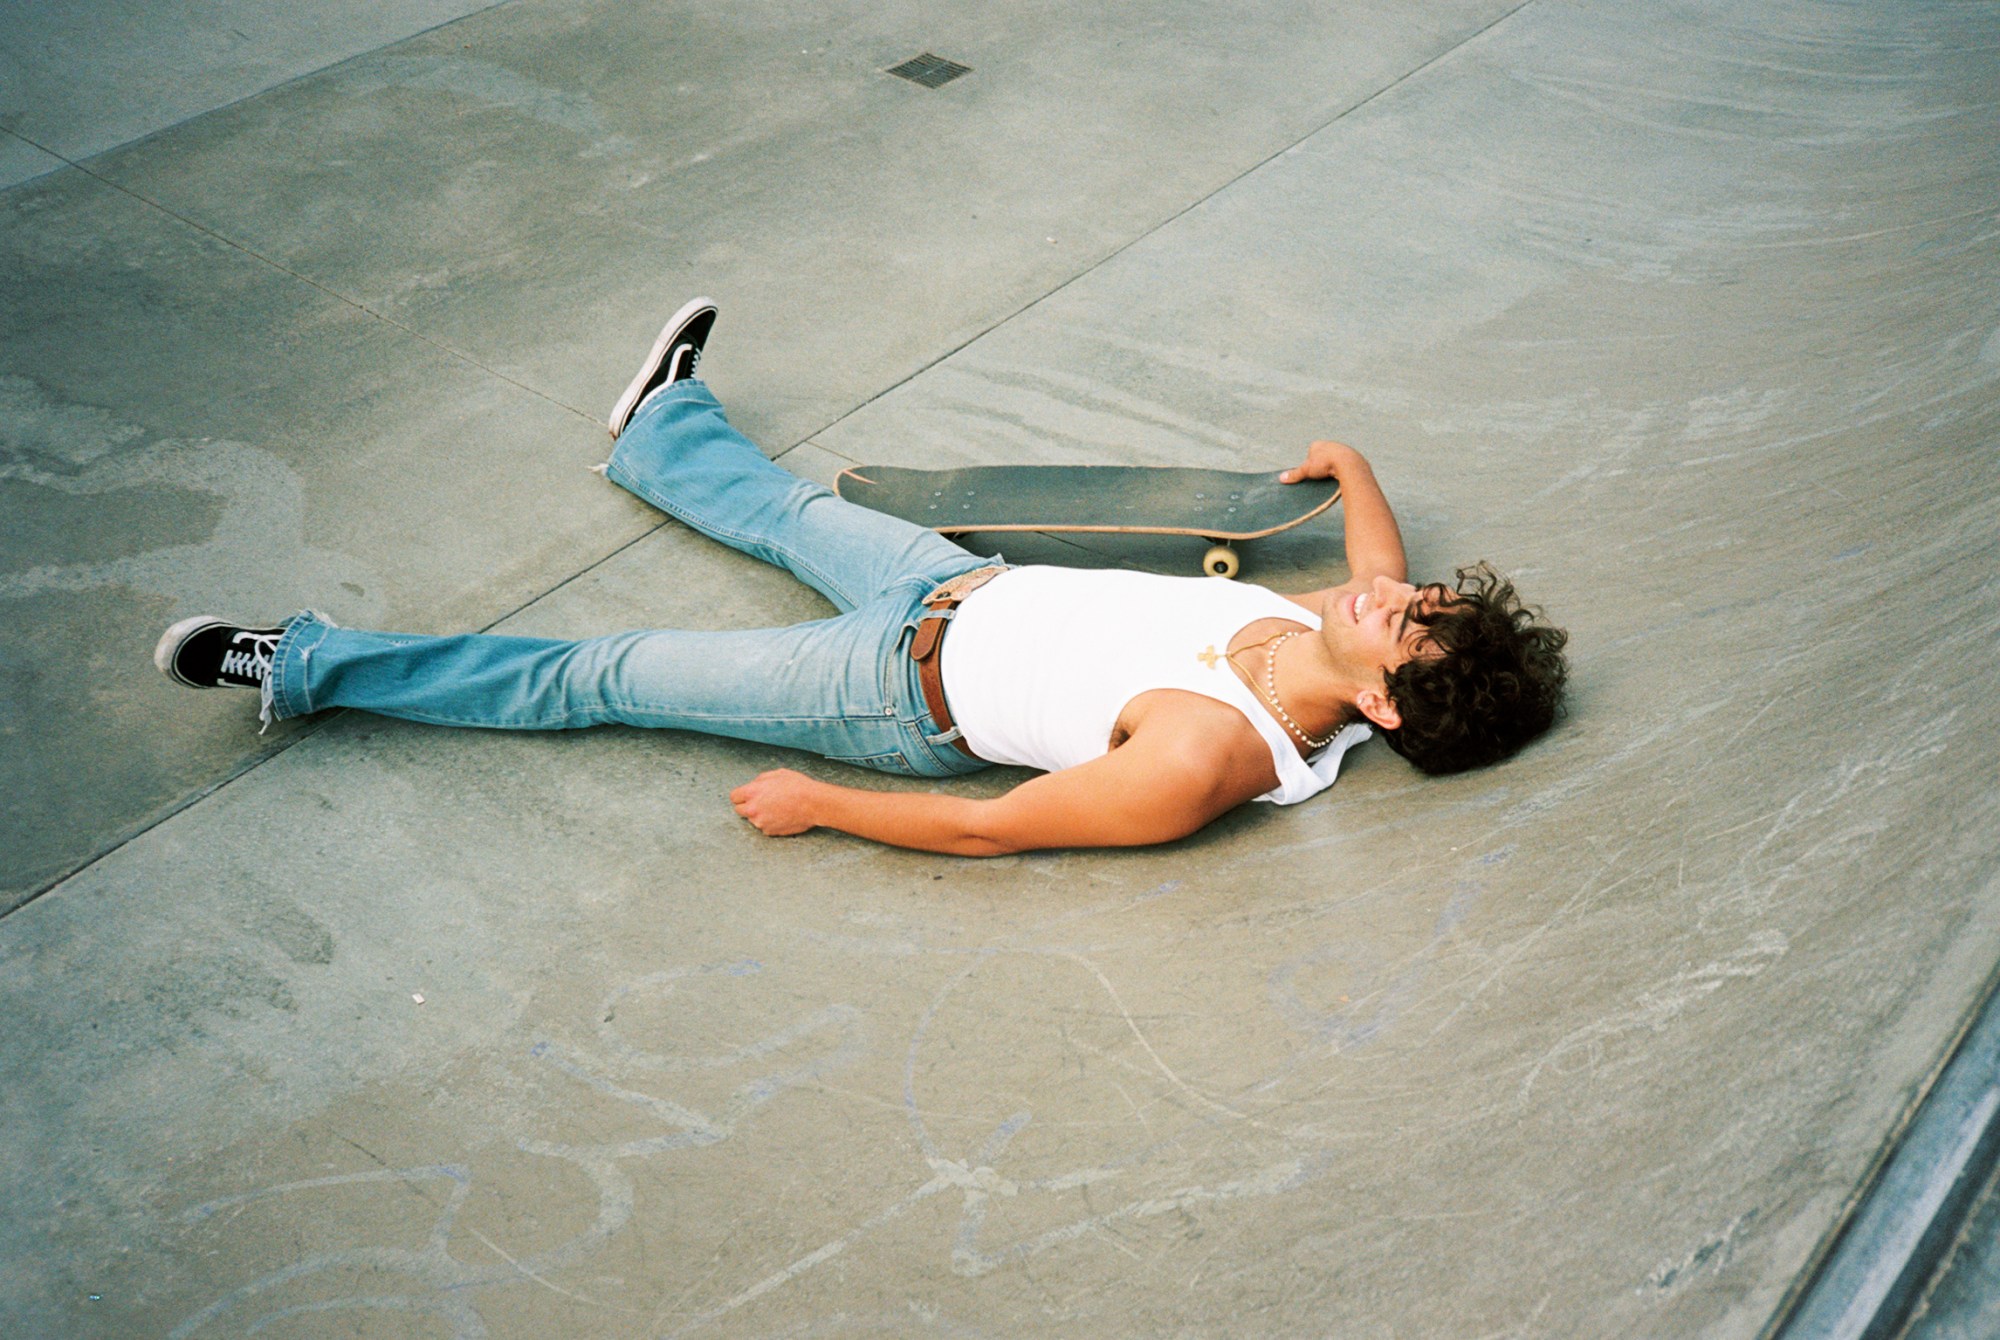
(1687,316)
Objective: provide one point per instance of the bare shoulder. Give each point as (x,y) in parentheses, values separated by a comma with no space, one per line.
(1201,734)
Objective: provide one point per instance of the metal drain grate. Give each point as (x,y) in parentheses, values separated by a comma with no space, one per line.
(929,70)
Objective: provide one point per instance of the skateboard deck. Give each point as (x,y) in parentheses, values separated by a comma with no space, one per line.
(1224,507)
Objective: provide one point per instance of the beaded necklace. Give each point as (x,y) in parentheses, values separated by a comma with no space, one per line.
(1270,686)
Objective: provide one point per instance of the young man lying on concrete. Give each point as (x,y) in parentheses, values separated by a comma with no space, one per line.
(1153,704)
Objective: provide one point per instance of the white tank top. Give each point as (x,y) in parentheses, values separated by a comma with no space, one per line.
(1040,662)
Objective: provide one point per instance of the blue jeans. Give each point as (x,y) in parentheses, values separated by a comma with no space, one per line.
(844,688)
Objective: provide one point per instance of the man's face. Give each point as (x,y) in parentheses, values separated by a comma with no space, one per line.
(1370,629)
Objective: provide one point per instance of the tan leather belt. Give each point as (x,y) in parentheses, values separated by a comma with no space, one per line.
(925,646)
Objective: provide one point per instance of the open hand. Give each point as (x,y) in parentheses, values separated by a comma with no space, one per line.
(1324,460)
(779,802)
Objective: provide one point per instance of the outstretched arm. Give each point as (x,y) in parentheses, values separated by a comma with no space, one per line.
(1150,789)
(1374,544)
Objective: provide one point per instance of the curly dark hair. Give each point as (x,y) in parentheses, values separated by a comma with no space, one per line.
(1490,680)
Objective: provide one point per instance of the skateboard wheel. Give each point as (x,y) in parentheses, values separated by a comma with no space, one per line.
(1221,561)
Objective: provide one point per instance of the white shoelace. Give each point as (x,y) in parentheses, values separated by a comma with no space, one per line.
(255,663)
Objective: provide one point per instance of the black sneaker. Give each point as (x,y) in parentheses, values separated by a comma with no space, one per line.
(673,358)
(206,653)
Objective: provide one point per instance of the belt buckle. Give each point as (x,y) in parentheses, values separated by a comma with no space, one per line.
(963,585)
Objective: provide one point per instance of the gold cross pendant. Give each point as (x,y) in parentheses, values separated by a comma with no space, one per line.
(1208,658)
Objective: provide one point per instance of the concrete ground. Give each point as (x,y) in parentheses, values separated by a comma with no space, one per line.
(1685,314)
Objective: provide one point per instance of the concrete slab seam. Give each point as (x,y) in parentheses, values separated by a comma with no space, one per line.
(1178,214)
(66,160)
(321,721)
(314,284)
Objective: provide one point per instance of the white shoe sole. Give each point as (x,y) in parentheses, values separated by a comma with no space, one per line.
(622,411)
(170,642)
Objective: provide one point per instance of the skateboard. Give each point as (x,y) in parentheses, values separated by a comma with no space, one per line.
(1224,507)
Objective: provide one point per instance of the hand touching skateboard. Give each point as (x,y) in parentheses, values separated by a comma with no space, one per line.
(1374,544)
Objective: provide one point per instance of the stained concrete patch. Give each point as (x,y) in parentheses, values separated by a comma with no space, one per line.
(80,79)
(184,430)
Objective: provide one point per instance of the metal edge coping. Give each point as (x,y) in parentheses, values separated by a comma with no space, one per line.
(1900,1225)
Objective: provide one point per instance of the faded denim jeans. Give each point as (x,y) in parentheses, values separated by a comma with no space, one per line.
(844,687)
